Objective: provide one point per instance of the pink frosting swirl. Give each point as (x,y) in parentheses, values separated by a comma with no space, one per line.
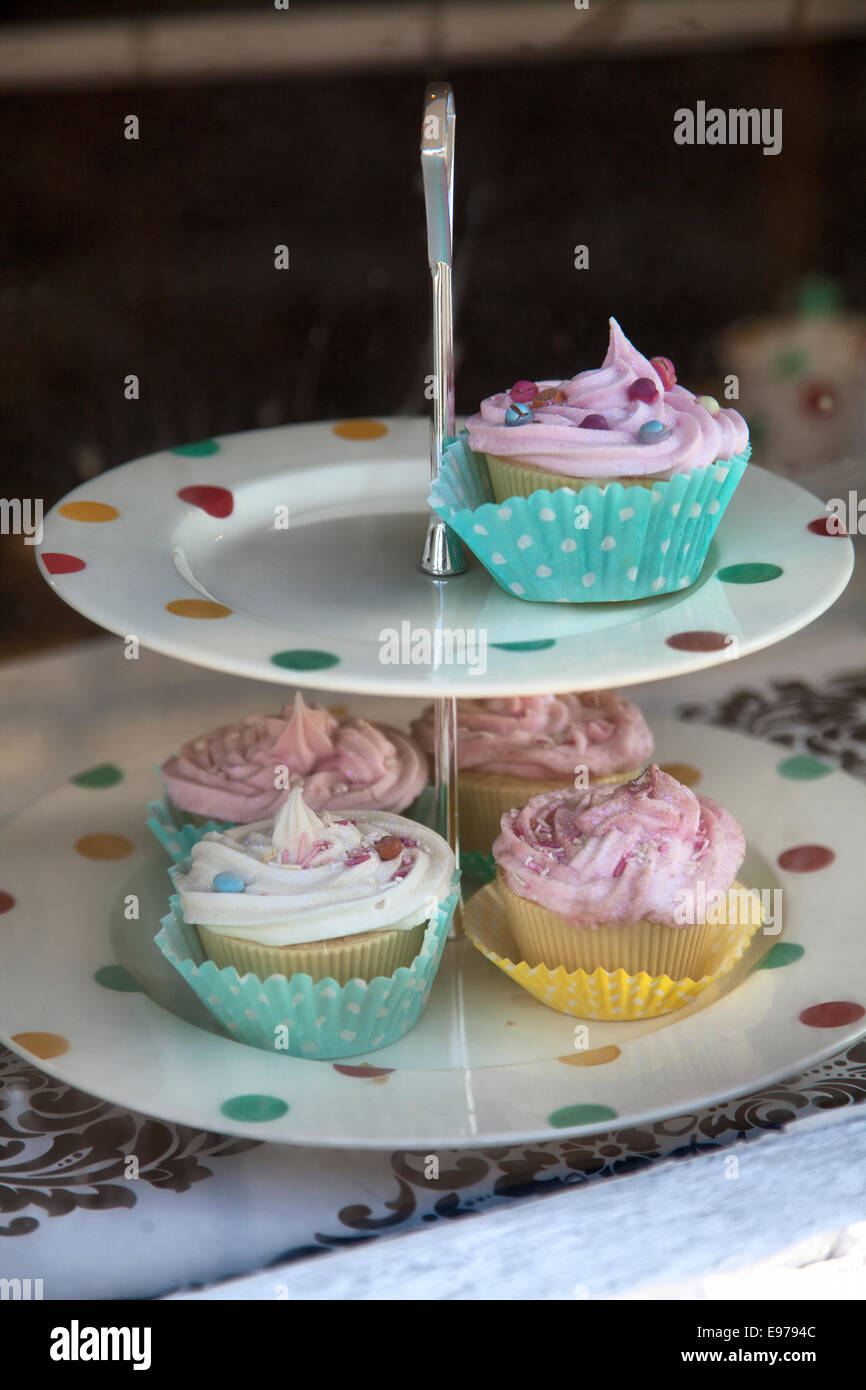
(556,440)
(547,735)
(618,854)
(229,774)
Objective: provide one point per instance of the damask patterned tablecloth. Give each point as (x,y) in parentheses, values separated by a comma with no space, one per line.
(205,1207)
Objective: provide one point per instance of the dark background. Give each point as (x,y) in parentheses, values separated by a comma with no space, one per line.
(155,257)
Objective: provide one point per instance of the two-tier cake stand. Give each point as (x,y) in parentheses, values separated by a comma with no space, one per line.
(292,555)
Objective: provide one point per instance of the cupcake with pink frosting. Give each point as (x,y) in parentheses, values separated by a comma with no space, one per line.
(614,877)
(627,421)
(604,487)
(240,773)
(510,750)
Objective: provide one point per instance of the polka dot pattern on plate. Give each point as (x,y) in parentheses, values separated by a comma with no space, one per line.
(364,1072)
(592,1057)
(88,511)
(114,977)
(806,859)
(586,1114)
(198,608)
(255,1109)
(540,644)
(801,768)
(95,778)
(820,527)
(57,562)
(203,448)
(305,659)
(44,1045)
(752,573)
(360,429)
(700,641)
(7,902)
(782,954)
(837,1013)
(216,501)
(103,847)
(683,772)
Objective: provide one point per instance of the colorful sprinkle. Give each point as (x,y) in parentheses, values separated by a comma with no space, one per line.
(571,1115)
(834,1014)
(783,953)
(709,403)
(227,882)
(57,563)
(114,977)
(44,1045)
(551,395)
(683,772)
(806,859)
(749,573)
(204,608)
(95,778)
(301,659)
(518,414)
(216,501)
(103,847)
(821,527)
(201,449)
(653,432)
(700,641)
(643,388)
(523,391)
(88,511)
(593,1057)
(360,429)
(665,369)
(593,422)
(253,1109)
(801,768)
(389,847)
(7,902)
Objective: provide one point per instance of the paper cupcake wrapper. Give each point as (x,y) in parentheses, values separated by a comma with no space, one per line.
(301,1017)
(591,544)
(605,996)
(176,836)
(480,867)
(360,957)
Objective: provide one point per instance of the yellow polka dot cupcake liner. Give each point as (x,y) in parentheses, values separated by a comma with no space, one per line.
(612,996)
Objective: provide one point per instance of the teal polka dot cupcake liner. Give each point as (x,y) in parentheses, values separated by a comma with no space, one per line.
(590,544)
(176,836)
(298,1017)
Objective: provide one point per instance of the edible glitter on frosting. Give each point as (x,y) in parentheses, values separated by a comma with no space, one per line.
(619,854)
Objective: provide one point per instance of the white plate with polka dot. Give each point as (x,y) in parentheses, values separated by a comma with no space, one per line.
(84,991)
(291,555)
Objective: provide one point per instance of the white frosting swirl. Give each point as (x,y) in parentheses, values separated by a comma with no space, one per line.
(311,878)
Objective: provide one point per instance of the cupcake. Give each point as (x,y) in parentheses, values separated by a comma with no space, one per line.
(240,773)
(510,750)
(613,878)
(332,897)
(627,422)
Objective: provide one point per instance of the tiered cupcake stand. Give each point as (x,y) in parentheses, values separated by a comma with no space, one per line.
(292,555)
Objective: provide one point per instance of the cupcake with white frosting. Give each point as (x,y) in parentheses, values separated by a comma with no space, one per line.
(338,897)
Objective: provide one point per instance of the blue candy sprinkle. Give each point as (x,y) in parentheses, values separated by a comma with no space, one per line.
(518,414)
(652,432)
(228,883)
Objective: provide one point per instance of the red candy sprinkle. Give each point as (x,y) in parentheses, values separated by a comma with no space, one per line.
(643,389)
(389,847)
(665,368)
(522,392)
(594,422)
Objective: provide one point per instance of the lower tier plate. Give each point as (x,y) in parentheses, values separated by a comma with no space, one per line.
(84,990)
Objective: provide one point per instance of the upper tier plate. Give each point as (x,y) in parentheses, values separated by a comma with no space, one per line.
(293,552)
